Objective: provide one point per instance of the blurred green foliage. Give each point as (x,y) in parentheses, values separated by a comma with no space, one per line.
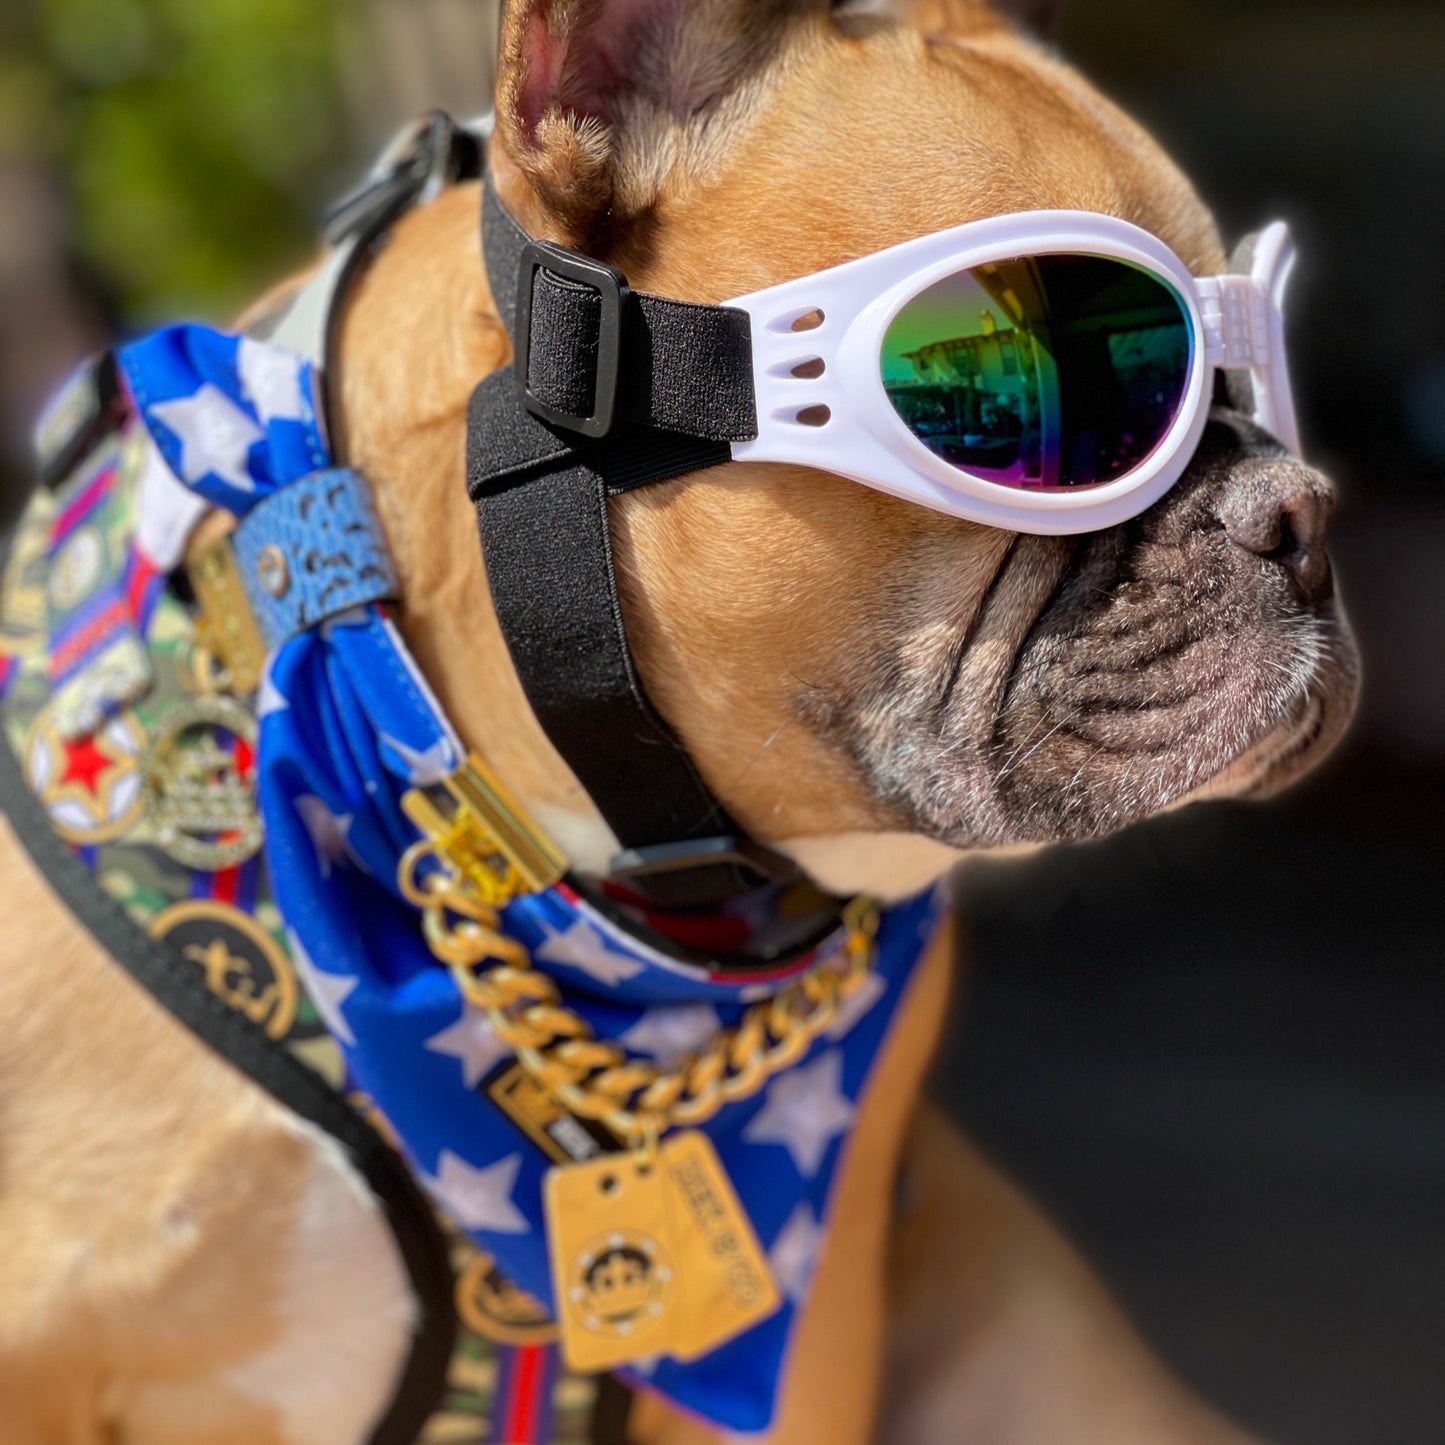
(191,134)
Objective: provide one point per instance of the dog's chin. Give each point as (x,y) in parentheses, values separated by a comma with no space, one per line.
(1283,756)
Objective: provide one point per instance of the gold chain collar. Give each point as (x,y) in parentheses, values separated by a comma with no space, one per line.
(478,852)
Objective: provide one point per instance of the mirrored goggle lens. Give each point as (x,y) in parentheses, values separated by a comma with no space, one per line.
(1046,372)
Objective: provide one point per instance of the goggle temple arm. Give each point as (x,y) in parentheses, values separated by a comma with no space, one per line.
(1244,328)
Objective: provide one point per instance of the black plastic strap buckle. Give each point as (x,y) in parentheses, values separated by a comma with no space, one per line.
(611,286)
(701,873)
(431,151)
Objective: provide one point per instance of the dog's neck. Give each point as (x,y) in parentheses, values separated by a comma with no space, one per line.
(430,345)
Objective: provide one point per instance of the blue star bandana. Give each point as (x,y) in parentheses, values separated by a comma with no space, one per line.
(348,726)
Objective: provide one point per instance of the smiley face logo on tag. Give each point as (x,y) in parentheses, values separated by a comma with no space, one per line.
(620,1284)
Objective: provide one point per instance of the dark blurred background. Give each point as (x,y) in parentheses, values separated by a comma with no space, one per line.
(1213,1046)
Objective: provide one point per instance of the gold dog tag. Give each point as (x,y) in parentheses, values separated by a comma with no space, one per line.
(610,1233)
(652,1256)
(729,1285)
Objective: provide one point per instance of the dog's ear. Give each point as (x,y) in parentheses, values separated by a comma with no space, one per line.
(962,17)
(595,98)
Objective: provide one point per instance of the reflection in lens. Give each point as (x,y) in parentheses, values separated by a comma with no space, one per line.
(1043,372)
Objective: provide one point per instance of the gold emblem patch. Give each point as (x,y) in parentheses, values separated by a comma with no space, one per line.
(199,786)
(76,568)
(489,1303)
(91,786)
(243,965)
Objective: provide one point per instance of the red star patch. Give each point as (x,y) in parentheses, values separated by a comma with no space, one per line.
(86,764)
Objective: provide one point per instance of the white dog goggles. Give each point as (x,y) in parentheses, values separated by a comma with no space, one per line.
(1048,372)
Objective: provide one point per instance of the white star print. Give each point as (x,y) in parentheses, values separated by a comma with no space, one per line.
(215,436)
(270,698)
(856,1005)
(328,831)
(328,991)
(795,1252)
(166,511)
(667,1034)
(804,1112)
(479,1198)
(272,378)
(581,946)
(424,768)
(472,1040)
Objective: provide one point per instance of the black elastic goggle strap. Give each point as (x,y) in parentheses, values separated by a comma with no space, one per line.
(620,390)
(591,353)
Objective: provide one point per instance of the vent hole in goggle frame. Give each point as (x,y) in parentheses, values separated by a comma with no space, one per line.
(809,319)
(799,368)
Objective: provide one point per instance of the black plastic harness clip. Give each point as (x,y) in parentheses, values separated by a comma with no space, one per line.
(701,872)
(611,286)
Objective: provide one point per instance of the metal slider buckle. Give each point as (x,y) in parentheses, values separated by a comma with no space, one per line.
(611,286)
(479,835)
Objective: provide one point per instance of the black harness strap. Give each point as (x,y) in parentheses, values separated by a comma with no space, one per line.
(611,390)
(549,560)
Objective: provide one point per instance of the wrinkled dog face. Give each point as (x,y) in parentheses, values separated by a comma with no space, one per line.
(1107,677)
(839,661)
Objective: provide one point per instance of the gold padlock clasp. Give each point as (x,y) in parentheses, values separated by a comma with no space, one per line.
(486,848)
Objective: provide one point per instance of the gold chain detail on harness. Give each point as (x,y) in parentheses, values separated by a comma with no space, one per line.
(473,871)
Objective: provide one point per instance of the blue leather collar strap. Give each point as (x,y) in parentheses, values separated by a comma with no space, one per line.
(311,551)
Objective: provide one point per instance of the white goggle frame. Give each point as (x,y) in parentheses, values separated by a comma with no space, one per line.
(1236,322)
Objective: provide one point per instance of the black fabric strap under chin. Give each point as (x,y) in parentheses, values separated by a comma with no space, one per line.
(612,390)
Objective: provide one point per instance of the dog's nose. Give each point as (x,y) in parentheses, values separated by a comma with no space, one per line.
(1279,508)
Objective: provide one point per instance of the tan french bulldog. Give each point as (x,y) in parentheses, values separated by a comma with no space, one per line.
(869,685)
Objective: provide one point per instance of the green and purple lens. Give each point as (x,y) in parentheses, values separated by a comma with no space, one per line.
(1045,372)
